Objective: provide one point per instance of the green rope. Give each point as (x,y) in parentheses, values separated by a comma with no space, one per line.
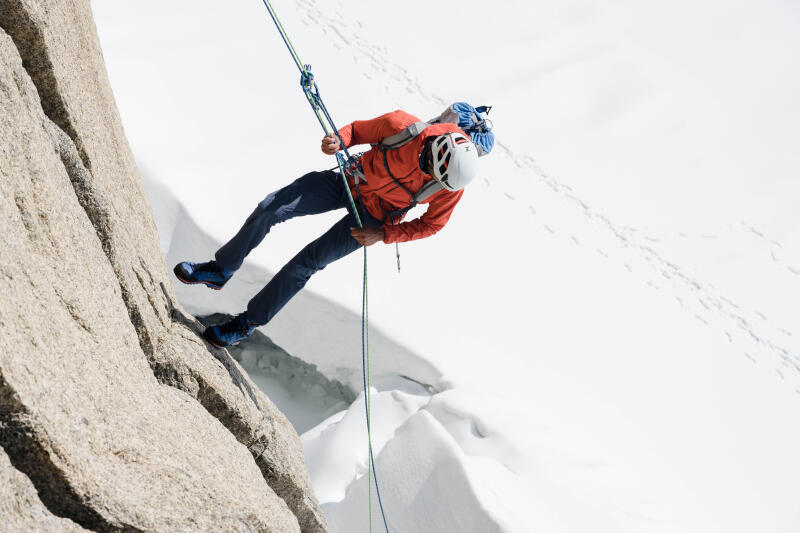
(312,95)
(288,42)
(368,393)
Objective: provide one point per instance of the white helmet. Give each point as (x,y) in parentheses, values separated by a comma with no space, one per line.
(455,160)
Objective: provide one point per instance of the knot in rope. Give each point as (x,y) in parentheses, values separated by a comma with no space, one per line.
(309,87)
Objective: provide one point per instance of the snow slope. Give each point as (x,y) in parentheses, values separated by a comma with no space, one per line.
(612,314)
(490,443)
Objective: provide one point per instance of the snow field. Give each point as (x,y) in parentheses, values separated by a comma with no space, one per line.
(610,316)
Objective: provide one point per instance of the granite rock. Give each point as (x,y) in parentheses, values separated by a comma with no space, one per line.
(110,403)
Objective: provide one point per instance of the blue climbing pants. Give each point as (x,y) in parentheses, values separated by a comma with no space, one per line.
(316,192)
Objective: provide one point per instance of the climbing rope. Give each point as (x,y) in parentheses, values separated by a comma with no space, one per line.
(311,91)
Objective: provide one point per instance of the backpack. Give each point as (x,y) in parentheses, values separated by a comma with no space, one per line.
(472,120)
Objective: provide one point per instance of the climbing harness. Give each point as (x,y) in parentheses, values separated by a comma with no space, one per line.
(311,91)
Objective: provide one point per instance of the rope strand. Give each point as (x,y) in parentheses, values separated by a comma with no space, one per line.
(311,91)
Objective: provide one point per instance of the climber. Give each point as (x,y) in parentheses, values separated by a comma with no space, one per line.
(387,182)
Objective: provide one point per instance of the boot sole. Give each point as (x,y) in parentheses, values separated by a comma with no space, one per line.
(212,343)
(217,345)
(206,283)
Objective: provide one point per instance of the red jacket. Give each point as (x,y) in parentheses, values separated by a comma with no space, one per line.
(380,194)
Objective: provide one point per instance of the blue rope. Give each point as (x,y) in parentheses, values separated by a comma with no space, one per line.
(285,37)
(311,91)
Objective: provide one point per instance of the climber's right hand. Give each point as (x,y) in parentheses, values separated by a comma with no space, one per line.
(330,145)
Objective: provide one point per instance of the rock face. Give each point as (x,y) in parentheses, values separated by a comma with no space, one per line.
(114,414)
(20,506)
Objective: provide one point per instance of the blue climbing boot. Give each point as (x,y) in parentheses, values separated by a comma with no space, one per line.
(230,333)
(210,274)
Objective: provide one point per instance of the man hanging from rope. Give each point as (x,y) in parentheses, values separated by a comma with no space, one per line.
(384,181)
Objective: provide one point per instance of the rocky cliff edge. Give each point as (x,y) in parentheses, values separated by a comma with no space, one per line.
(114,414)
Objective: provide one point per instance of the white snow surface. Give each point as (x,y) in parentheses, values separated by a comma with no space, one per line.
(609,320)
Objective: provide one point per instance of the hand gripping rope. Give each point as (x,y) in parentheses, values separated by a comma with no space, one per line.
(344,161)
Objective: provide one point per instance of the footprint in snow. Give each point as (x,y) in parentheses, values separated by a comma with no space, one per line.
(729,302)
(478,430)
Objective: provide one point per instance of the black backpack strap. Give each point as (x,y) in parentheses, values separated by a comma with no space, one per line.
(396,141)
(397,212)
(426,191)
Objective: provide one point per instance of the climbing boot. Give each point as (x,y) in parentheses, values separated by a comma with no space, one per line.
(230,333)
(210,274)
